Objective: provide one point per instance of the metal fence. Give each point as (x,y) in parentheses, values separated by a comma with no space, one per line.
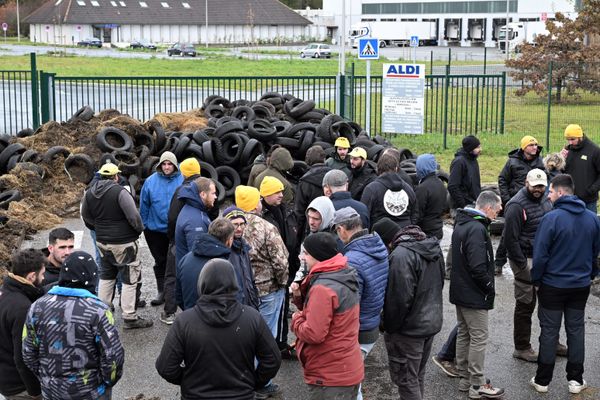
(16,103)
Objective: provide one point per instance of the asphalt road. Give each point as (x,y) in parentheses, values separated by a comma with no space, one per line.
(142,348)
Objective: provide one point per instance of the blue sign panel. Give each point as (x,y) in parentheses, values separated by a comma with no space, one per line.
(368,49)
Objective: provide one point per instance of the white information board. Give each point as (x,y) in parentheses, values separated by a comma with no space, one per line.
(403,99)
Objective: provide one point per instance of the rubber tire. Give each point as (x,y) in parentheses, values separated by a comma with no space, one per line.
(305,144)
(229,142)
(207,150)
(31,156)
(243,113)
(8,197)
(106,157)
(262,112)
(252,149)
(301,109)
(160,139)
(106,147)
(223,171)
(406,154)
(282,127)
(220,192)
(200,137)
(193,151)
(85,113)
(142,152)
(130,165)
(184,142)
(87,162)
(262,130)
(25,133)
(55,151)
(231,126)
(208,171)
(144,139)
(374,152)
(8,152)
(12,162)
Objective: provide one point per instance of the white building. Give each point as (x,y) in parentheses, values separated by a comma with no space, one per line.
(167,21)
(456,20)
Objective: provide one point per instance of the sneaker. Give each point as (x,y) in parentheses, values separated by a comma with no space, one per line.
(539,388)
(486,391)
(141,303)
(268,391)
(167,318)
(528,355)
(137,323)
(448,367)
(561,350)
(159,300)
(576,387)
(464,385)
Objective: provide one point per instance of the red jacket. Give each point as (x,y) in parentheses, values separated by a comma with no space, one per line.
(327,327)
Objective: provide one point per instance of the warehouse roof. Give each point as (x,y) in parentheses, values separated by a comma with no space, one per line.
(166,12)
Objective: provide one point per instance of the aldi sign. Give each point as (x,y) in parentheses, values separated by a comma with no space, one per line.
(403,98)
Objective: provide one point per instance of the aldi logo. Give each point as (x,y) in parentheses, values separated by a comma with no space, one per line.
(405,71)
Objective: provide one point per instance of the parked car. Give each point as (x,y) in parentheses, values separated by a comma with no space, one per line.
(182,49)
(142,44)
(316,50)
(90,42)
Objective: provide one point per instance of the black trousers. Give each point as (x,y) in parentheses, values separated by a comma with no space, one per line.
(158,243)
(170,281)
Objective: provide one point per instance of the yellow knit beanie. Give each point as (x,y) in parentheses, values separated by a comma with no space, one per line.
(189,167)
(573,131)
(269,186)
(246,197)
(527,140)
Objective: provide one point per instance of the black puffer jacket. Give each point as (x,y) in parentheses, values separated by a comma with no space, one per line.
(390,196)
(431,204)
(513,175)
(309,188)
(16,297)
(413,299)
(361,178)
(522,216)
(583,164)
(464,183)
(472,277)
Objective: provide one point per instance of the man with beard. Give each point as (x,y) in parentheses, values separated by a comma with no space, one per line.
(20,289)
(340,159)
(362,171)
(61,242)
(583,164)
(522,215)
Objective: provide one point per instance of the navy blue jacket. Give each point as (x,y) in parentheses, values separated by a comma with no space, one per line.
(205,248)
(344,199)
(566,246)
(192,220)
(368,255)
(240,259)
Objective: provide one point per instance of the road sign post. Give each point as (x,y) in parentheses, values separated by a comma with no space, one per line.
(368,49)
(414,43)
(4,28)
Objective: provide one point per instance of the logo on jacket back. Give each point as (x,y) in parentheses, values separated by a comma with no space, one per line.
(395,203)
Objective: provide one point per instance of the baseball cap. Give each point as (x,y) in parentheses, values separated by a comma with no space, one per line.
(358,152)
(342,142)
(537,177)
(109,169)
(344,214)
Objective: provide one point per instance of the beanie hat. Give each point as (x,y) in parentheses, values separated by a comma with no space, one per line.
(189,167)
(527,140)
(386,229)
(232,212)
(573,131)
(246,197)
(79,271)
(321,246)
(167,156)
(270,185)
(470,143)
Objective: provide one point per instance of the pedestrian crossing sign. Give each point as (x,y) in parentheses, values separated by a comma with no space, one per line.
(414,41)
(368,49)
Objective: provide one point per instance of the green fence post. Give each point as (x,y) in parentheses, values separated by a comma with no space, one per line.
(449,56)
(431,63)
(352,93)
(342,99)
(446,94)
(549,106)
(47,103)
(502,105)
(35,93)
(484,60)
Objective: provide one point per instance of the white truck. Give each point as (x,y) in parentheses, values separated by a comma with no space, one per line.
(395,33)
(519,33)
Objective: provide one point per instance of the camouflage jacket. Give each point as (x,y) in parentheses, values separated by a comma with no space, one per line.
(71,344)
(268,255)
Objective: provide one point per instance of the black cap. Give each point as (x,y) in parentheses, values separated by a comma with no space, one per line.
(79,270)
(470,143)
(321,245)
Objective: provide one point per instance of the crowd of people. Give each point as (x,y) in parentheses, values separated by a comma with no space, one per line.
(349,252)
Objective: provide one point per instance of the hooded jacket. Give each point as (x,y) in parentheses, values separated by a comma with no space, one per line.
(335,162)
(258,166)
(583,164)
(240,259)
(522,216)
(325,207)
(390,196)
(566,246)
(367,254)
(50,342)
(360,178)
(16,296)
(344,199)
(472,276)
(110,210)
(513,175)
(431,197)
(281,161)
(309,188)
(464,183)
(327,327)
(191,221)
(156,196)
(413,299)
(204,249)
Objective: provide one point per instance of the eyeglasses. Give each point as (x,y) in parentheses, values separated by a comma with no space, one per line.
(239,225)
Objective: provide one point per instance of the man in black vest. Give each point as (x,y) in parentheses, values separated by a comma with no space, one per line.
(110,210)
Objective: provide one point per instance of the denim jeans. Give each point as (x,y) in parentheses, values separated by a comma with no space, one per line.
(553,304)
(365,349)
(270,308)
(448,351)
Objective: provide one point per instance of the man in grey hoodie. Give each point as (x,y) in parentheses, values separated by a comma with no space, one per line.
(319,215)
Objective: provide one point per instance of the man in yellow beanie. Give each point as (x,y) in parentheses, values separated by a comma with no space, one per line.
(583,164)
(280,162)
(268,256)
(512,179)
(340,159)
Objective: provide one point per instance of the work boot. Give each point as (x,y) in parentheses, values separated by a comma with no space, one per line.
(137,323)
(486,391)
(528,355)
(160,299)
(268,391)
(448,367)
(562,350)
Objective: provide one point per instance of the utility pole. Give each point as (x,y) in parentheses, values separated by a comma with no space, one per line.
(18,24)
(206,21)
